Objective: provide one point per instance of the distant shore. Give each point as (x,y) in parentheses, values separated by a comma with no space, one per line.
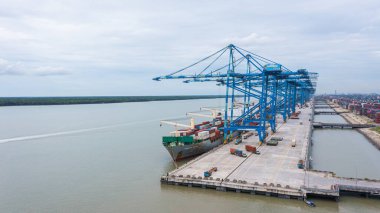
(32,101)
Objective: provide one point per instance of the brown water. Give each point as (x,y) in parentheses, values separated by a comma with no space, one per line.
(109,158)
(345,152)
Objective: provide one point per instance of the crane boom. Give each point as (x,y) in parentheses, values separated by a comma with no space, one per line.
(176,124)
(201,115)
(268,88)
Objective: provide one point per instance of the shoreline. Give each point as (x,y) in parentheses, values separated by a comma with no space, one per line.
(351,118)
(50,101)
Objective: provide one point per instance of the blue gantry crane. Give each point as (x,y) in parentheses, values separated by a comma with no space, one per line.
(267,88)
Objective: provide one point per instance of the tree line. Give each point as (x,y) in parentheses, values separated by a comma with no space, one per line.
(22,101)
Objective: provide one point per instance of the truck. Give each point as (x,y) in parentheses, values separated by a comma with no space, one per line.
(272,142)
(209,172)
(277,138)
(237,152)
(252,149)
(238,140)
(300,164)
(294,142)
(247,135)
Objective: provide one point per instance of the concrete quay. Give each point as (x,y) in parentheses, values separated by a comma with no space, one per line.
(272,173)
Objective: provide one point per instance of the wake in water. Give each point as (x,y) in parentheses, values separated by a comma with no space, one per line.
(30,137)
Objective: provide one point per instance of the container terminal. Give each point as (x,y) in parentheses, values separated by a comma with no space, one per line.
(265,129)
(274,172)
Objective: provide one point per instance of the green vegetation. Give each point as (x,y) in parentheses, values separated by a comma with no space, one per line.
(20,101)
(376,129)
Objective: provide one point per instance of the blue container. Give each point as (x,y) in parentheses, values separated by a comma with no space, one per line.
(239,152)
(207,174)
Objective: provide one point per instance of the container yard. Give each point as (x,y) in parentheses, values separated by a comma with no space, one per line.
(367,106)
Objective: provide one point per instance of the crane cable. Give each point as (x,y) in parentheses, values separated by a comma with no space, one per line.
(198,62)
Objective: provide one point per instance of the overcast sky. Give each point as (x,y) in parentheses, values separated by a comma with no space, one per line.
(72,48)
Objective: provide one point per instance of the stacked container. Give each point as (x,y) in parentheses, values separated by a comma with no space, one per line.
(377,118)
(351,107)
(202,135)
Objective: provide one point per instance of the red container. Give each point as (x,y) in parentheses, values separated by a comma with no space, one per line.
(213,169)
(253,123)
(250,148)
(232,151)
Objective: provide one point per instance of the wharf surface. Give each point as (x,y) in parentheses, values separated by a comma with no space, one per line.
(341,126)
(272,173)
(324,107)
(328,113)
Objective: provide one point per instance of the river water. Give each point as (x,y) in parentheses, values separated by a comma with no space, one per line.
(345,152)
(109,158)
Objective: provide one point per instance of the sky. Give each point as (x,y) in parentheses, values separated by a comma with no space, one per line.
(101,48)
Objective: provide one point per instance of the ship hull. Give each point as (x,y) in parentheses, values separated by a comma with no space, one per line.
(186,151)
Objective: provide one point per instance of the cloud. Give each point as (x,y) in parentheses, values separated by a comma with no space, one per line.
(95,44)
(18,68)
(376,53)
(7,68)
(9,35)
(250,39)
(49,71)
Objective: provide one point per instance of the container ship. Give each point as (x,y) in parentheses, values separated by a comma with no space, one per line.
(195,140)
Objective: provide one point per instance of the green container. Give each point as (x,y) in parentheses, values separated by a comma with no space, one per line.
(169,139)
(186,139)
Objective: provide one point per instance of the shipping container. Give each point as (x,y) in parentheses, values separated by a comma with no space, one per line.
(232,151)
(213,169)
(169,139)
(238,152)
(186,139)
(250,148)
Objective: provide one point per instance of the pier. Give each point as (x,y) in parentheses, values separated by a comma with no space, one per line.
(272,173)
(341,125)
(328,113)
(324,107)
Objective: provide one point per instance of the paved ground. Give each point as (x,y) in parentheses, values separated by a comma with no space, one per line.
(275,164)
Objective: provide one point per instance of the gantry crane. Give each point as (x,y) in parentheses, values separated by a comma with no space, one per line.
(266,87)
